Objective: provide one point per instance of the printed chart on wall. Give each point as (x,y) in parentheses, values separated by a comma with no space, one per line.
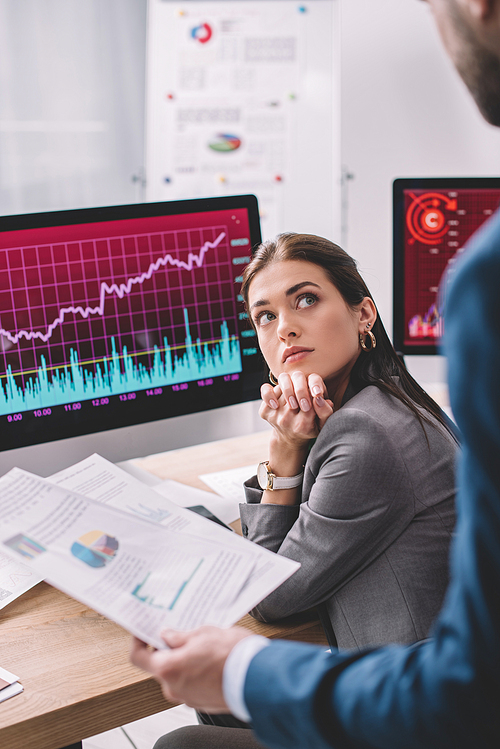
(241,98)
(438,224)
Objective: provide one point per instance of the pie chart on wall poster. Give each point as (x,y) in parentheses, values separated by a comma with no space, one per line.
(223,142)
(95,548)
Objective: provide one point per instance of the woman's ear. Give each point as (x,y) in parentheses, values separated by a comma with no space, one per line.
(367,314)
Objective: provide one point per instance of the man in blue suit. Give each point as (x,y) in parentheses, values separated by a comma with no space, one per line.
(442,693)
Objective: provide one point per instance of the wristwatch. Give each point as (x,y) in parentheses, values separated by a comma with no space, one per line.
(267,479)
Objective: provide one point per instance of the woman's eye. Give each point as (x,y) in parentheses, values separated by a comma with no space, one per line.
(307,300)
(265,318)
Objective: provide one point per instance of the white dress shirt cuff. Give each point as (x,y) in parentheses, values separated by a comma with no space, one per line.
(235,671)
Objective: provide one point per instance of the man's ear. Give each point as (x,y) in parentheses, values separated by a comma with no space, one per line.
(479,9)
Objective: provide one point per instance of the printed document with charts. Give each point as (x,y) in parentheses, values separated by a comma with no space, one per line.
(117,546)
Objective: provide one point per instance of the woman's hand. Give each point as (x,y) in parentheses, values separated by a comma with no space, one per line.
(296,407)
(297,410)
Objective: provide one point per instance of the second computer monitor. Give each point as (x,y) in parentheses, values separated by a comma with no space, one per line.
(433,220)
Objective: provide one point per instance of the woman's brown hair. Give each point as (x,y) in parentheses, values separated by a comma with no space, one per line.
(373,367)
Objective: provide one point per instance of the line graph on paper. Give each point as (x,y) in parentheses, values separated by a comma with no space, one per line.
(101,316)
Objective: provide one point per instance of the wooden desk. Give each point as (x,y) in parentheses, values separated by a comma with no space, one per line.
(73,663)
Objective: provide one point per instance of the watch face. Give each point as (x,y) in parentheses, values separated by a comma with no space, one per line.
(262,475)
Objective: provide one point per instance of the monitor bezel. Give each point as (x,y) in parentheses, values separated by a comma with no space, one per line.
(19,221)
(418,183)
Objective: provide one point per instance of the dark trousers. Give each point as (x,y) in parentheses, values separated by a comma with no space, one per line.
(222,721)
(208,737)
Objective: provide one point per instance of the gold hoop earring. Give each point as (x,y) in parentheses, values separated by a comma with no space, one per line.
(363,343)
(272,379)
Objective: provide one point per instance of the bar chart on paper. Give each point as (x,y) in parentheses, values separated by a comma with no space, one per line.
(153,591)
(95,316)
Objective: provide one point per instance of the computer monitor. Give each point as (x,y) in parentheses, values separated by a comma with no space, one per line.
(120,316)
(433,219)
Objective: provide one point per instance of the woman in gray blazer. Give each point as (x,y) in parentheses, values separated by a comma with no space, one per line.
(359,482)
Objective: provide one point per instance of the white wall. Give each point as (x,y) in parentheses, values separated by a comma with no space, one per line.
(71,104)
(405,113)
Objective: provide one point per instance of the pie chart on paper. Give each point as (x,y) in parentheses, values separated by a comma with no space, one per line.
(223,142)
(96,549)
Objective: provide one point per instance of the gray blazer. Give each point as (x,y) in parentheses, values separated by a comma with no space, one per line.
(374,525)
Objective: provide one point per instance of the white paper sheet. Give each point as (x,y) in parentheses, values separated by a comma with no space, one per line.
(11,691)
(15,579)
(229,484)
(9,685)
(105,482)
(241,98)
(143,575)
(226,509)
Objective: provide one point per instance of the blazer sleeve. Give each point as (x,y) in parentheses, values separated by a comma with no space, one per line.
(352,513)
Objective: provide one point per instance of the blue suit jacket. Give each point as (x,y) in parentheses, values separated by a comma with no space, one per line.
(442,693)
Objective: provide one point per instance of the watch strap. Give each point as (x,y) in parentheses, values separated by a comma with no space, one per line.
(274,482)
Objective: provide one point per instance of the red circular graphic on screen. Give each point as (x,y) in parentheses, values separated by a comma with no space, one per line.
(433,219)
(425,219)
(202,33)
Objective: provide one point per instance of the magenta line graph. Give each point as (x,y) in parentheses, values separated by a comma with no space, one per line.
(120,290)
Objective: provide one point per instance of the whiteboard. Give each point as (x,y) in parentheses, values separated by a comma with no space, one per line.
(243,97)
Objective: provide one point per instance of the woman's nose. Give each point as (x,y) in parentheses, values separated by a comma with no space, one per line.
(287,329)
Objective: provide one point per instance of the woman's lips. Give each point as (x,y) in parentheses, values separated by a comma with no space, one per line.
(295,354)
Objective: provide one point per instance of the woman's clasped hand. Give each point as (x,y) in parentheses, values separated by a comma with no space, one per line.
(297,407)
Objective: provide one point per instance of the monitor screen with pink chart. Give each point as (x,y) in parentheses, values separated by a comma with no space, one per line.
(433,220)
(122,316)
